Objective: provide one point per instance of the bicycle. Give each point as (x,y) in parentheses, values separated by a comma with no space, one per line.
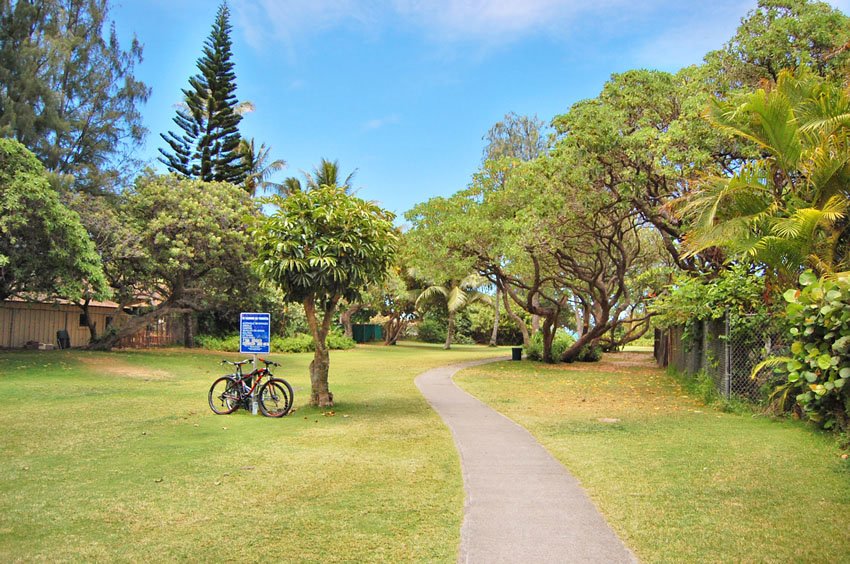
(230,392)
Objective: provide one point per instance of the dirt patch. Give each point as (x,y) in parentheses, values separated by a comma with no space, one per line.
(612,362)
(116,367)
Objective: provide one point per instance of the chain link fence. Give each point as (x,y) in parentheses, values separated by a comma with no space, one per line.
(727,349)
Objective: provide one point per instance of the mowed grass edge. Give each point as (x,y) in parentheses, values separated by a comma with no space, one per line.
(116,456)
(678,481)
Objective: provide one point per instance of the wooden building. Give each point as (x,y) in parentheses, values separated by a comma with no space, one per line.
(22,322)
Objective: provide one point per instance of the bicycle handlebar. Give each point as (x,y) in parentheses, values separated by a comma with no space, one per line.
(247,361)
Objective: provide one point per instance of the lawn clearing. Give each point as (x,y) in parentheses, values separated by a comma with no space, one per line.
(678,481)
(111,456)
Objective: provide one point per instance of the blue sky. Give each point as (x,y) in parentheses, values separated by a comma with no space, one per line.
(404,90)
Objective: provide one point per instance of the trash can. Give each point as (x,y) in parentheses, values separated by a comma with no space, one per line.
(63,339)
(516,353)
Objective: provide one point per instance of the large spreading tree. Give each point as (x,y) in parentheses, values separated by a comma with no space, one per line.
(194,244)
(206,146)
(319,247)
(67,89)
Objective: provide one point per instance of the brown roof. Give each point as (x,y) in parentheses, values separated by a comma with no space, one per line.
(60,301)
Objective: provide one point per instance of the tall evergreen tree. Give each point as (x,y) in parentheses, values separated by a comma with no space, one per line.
(208,147)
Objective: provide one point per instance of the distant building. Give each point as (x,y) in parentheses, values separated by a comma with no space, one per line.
(23,322)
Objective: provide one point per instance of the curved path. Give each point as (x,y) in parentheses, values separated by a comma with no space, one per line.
(521,504)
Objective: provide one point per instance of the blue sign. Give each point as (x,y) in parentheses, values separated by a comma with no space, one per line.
(255,333)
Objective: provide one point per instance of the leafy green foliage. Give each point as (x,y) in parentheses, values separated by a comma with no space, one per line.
(195,233)
(324,244)
(783,34)
(736,291)
(259,168)
(786,209)
(297,343)
(699,298)
(431,330)
(818,369)
(195,248)
(560,343)
(481,325)
(589,353)
(44,249)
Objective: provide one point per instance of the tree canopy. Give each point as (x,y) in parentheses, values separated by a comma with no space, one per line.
(45,251)
(67,89)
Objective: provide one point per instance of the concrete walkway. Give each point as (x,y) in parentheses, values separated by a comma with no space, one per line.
(521,504)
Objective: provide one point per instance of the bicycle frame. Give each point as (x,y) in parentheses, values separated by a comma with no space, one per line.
(255,375)
(237,393)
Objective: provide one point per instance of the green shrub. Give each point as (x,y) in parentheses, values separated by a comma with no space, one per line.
(431,331)
(589,353)
(225,344)
(298,343)
(338,341)
(819,366)
(561,343)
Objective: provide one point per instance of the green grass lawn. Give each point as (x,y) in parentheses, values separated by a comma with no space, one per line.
(678,481)
(116,456)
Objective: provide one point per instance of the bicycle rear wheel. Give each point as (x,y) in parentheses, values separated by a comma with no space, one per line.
(276,397)
(224,395)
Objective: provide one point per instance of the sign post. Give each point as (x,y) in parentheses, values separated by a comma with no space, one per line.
(254,339)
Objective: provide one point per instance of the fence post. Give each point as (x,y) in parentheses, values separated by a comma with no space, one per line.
(727,350)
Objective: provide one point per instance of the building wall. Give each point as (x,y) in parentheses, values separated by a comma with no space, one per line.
(22,321)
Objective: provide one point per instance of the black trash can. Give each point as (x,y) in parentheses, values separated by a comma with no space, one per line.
(63,339)
(516,353)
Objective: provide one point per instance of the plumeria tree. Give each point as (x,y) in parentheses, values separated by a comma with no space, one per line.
(319,247)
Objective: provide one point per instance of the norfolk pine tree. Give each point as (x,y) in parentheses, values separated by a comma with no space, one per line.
(208,147)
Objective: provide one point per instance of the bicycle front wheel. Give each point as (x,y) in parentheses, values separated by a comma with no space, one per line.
(224,395)
(276,397)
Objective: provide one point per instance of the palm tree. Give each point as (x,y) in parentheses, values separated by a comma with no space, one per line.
(290,185)
(456,294)
(325,174)
(787,209)
(258,168)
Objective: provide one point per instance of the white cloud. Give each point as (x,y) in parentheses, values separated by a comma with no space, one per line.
(481,20)
(378,123)
(699,26)
(280,21)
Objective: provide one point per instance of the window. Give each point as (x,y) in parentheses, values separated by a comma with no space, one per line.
(108,321)
(84,322)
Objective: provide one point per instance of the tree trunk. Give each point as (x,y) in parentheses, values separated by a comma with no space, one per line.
(494,338)
(548,338)
(535,319)
(90,323)
(320,395)
(450,330)
(579,322)
(345,319)
(188,337)
(393,329)
(526,340)
(128,325)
